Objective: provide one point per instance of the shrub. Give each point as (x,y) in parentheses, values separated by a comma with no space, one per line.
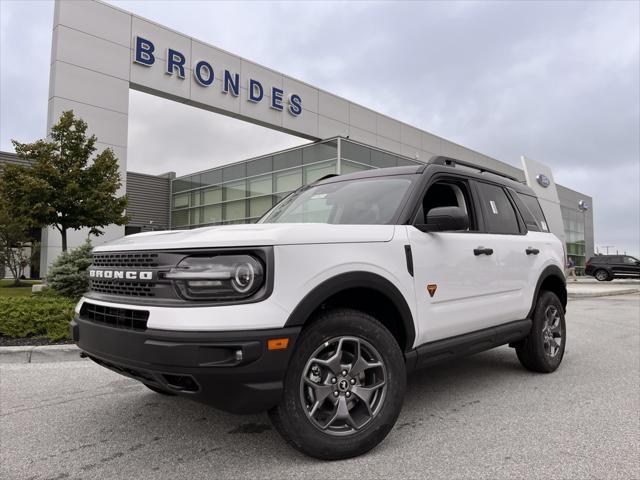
(68,274)
(36,316)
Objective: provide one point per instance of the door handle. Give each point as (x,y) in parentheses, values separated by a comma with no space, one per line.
(532,251)
(482,251)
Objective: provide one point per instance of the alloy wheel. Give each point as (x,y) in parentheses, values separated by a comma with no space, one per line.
(552,331)
(343,385)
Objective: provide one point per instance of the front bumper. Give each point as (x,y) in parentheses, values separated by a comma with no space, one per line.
(204,366)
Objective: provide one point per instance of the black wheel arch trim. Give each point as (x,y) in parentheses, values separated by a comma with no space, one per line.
(360,279)
(549,271)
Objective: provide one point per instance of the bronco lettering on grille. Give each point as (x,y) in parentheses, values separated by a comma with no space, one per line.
(121,274)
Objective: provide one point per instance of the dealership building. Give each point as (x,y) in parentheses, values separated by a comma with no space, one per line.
(101,52)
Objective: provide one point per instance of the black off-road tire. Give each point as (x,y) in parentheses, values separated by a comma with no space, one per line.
(291,417)
(535,350)
(161,391)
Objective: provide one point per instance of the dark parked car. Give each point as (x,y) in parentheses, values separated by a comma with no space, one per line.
(608,267)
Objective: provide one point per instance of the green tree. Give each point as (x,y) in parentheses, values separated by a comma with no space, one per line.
(17,248)
(69,274)
(64,188)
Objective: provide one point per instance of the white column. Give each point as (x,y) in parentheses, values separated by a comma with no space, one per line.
(90,69)
(547,195)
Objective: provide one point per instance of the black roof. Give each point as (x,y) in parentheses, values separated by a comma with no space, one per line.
(419,169)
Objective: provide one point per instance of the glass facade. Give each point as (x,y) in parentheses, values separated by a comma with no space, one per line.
(574,230)
(244,191)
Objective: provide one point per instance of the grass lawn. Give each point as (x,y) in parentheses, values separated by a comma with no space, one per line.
(6,290)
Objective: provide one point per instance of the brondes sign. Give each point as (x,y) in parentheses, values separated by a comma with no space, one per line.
(203,73)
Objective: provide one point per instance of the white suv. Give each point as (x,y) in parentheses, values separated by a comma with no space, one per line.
(317,313)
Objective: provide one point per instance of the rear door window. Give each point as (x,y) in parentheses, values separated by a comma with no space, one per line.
(498,211)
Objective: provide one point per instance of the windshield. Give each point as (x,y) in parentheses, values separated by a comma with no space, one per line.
(364,201)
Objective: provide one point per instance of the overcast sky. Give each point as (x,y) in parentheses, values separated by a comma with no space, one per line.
(558,82)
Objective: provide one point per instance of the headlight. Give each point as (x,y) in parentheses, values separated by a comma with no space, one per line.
(220,277)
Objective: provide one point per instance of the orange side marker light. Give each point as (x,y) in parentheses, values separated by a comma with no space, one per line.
(277,343)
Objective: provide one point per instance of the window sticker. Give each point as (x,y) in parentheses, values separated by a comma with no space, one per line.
(544,225)
(494,208)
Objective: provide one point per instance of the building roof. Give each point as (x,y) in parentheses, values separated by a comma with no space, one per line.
(10,157)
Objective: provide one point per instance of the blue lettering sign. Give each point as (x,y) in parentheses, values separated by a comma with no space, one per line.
(295,105)
(204,75)
(256,92)
(206,79)
(276,98)
(144,52)
(175,60)
(231,81)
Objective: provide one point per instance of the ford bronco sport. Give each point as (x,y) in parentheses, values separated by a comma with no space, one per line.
(317,312)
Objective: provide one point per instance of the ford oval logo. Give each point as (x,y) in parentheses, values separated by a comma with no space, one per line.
(543,180)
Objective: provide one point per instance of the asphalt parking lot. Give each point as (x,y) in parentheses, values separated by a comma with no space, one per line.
(478,417)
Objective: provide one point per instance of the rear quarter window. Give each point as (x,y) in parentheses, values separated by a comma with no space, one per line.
(532,204)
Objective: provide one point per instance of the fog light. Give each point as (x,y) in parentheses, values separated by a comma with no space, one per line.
(238,355)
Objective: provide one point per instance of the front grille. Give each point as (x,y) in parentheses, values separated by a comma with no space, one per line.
(131,289)
(125,260)
(115,317)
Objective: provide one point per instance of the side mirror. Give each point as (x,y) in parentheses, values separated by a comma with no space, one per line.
(445,219)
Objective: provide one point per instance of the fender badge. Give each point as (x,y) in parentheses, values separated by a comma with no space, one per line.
(431,288)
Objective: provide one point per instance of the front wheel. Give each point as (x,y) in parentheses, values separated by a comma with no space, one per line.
(542,350)
(344,388)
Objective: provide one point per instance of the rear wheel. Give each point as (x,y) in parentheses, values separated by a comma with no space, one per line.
(344,387)
(602,275)
(542,350)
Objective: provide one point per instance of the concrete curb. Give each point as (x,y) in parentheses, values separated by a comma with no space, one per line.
(603,294)
(40,354)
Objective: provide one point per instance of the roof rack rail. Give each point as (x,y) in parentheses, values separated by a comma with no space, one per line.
(329,175)
(452,162)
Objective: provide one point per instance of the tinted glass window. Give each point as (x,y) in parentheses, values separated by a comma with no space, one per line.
(234,172)
(355,152)
(382,160)
(534,207)
(529,220)
(211,178)
(261,165)
(500,217)
(319,152)
(446,194)
(287,160)
(630,260)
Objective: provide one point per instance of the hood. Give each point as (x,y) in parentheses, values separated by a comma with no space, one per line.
(251,235)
